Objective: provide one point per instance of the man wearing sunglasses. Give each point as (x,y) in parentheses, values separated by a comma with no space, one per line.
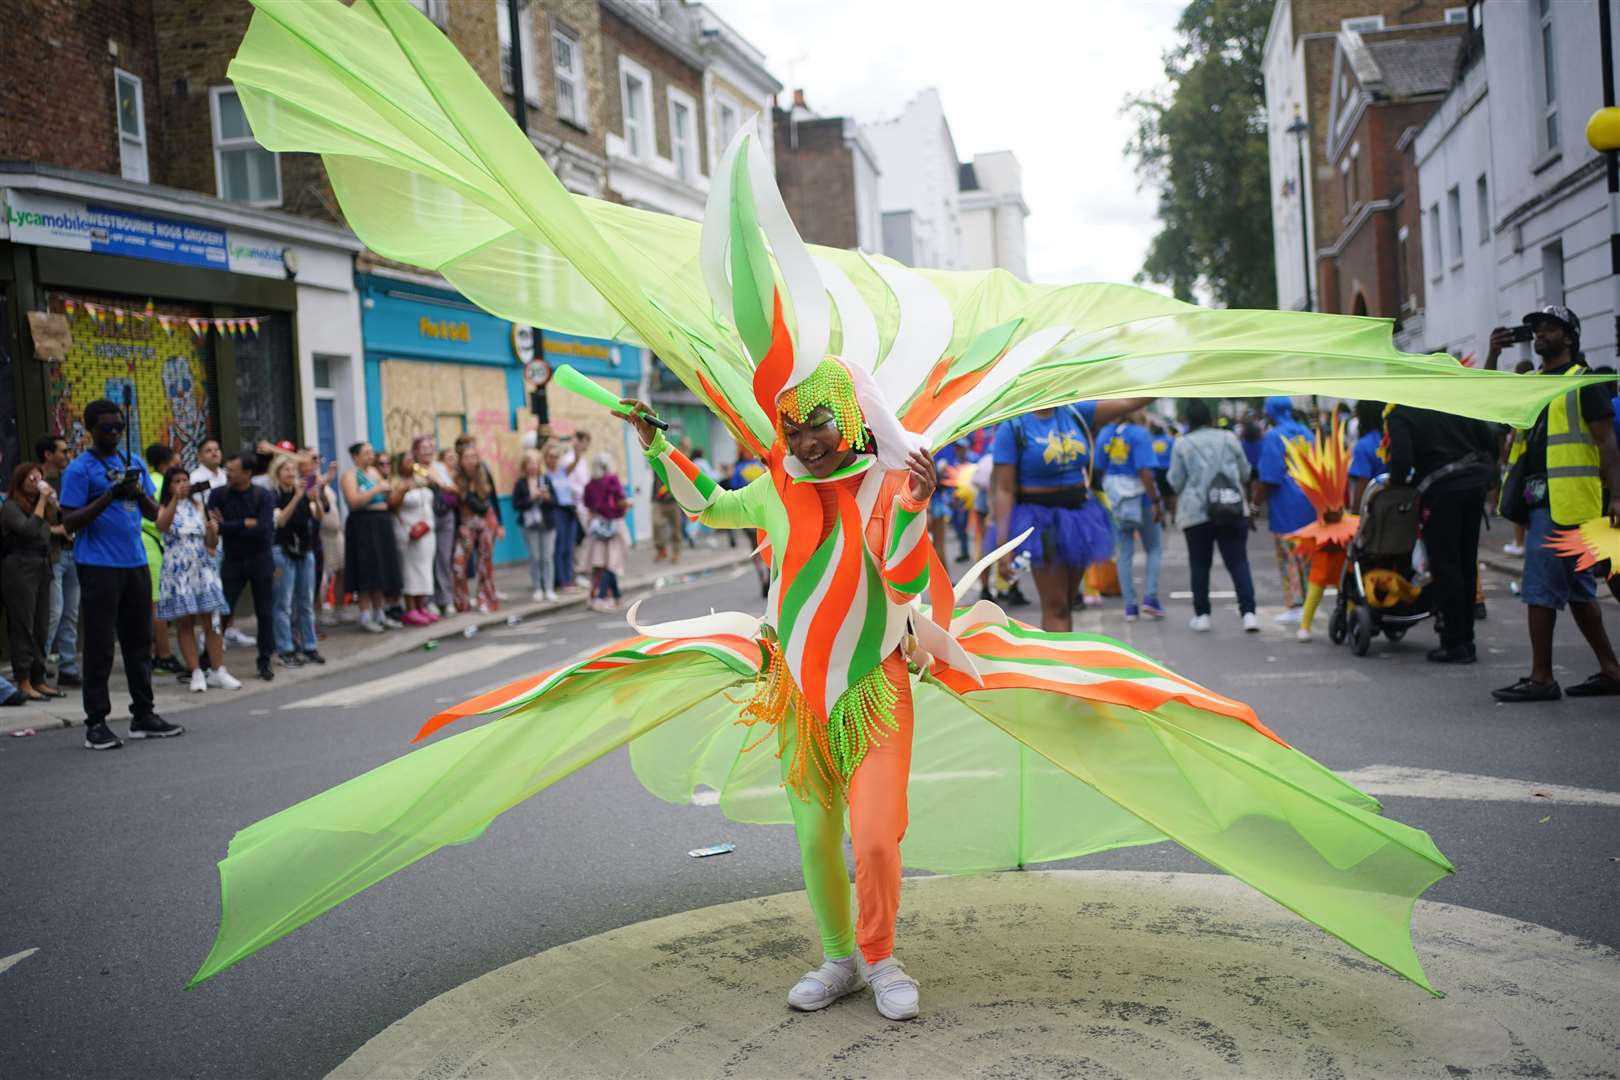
(105,494)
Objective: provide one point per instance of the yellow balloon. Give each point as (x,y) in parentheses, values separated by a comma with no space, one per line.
(1603,130)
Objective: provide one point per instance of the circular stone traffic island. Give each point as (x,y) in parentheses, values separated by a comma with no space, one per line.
(1061,973)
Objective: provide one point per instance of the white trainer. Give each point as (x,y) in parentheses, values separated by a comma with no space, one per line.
(1251,623)
(894,992)
(538,596)
(1199,623)
(199,681)
(220,679)
(1289,617)
(820,988)
(1303,634)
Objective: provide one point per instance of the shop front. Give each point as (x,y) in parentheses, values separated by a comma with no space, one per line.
(436,364)
(190,308)
(619,368)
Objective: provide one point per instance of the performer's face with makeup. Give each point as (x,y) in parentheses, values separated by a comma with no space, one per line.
(816,442)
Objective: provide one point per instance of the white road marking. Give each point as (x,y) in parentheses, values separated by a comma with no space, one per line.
(1326,677)
(16,958)
(1439,784)
(710,797)
(449,666)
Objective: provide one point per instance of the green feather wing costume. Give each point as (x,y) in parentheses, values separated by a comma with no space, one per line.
(1028,746)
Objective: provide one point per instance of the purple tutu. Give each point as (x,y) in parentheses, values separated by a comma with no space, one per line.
(1075,538)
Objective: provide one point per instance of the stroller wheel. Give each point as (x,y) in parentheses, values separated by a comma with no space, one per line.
(1361,631)
(1339,624)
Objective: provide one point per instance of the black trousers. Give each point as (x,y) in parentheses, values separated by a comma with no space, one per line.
(1451,534)
(25,586)
(1233,540)
(259,574)
(115,602)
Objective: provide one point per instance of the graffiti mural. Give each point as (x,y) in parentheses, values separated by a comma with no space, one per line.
(169,375)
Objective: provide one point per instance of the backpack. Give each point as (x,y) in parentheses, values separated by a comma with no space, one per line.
(1224,501)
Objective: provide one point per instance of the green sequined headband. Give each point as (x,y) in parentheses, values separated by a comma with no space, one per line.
(828,386)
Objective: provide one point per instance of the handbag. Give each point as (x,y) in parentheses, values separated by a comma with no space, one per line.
(603,528)
(420,529)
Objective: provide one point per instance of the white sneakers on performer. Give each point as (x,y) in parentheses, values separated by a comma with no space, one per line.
(1199,623)
(1251,623)
(820,988)
(894,992)
(220,679)
(1302,634)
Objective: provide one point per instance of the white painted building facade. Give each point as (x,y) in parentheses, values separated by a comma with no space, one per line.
(1283,62)
(917,185)
(1509,144)
(993,210)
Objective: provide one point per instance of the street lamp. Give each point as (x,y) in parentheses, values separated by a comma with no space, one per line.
(1299,129)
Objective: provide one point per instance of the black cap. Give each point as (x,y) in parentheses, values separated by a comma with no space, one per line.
(1558,313)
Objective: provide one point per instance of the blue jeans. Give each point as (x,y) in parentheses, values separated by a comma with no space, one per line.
(1551,580)
(567,529)
(295,594)
(1148,530)
(62,632)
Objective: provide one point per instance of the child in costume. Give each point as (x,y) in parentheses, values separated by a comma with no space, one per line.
(1321,469)
(1047,745)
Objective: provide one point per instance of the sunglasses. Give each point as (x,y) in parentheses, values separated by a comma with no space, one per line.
(111,427)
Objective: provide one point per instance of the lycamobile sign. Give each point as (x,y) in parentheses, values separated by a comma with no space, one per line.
(48,221)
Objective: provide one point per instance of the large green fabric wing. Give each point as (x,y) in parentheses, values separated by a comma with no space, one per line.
(430,170)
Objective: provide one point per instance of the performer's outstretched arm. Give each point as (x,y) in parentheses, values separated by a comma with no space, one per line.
(700,496)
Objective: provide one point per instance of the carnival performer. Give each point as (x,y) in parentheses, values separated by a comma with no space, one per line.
(1077,743)
(1320,468)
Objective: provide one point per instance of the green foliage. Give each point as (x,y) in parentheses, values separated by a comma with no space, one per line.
(1201,141)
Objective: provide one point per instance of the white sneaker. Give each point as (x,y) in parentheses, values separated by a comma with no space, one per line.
(233,636)
(371,626)
(820,988)
(1251,623)
(499,595)
(551,596)
(220,679)
(1302,634)
(1513,549)
(392,623)
(199,681)
(894,992)
(1199,623)
(1287,618)
(538,596)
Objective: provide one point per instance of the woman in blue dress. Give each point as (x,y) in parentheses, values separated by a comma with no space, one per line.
(1040,481)
(188,585)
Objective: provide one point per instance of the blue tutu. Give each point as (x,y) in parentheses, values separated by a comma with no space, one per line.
(1068,537)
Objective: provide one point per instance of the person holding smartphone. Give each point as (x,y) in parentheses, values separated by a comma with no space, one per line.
(106,492)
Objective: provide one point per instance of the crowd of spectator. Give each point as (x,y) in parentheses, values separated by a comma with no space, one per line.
(162,550)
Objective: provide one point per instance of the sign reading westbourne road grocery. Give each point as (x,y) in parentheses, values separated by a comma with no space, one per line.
(48,221)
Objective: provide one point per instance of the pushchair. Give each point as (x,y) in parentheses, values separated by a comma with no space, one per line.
(1381,590)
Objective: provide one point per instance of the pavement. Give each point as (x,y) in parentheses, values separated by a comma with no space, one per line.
(346,646)
(581,924)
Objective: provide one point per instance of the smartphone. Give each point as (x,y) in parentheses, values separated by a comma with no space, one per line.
(1524,332)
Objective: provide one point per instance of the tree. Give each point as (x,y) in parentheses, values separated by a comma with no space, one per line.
(1201,141)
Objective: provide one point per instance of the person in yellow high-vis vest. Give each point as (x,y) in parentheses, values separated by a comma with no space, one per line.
(1571,471)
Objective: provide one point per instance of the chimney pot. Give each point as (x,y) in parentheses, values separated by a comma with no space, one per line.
(798,100)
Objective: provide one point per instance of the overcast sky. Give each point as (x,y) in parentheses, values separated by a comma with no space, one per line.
(1042,78)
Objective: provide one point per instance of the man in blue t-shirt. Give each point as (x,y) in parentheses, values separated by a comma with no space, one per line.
(1287,508)
(105,494)
(1132,488)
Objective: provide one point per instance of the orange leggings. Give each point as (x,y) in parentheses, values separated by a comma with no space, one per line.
(877,822)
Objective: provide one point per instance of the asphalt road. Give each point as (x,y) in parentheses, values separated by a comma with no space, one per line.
(107,860)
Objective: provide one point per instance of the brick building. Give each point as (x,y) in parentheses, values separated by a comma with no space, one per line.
(1301,43)
(828,175)
(1384,87)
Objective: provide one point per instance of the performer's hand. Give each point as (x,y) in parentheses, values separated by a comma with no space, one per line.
(635,416)
(921,465)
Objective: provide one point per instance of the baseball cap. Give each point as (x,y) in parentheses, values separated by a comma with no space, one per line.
(1558,312)
(286,445)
